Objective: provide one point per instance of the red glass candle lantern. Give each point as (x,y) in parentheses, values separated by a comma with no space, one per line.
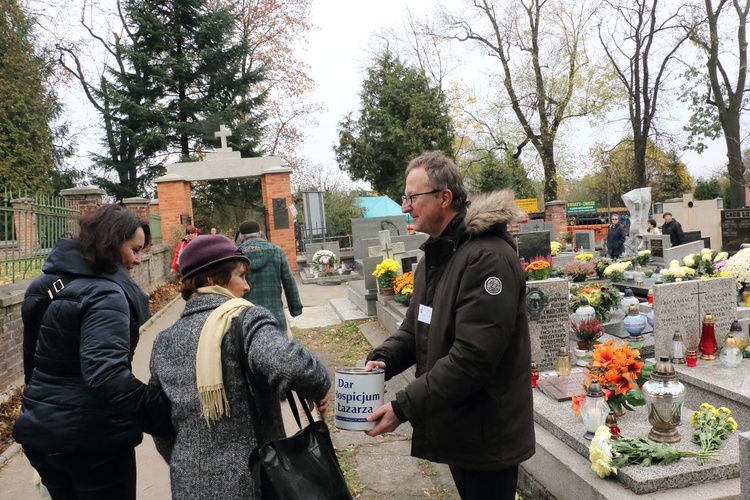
(707,345)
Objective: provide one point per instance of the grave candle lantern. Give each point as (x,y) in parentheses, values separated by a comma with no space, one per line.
(563,363)
(678,349)
(730,355)
(664,395)
(707,345)
(594,410)
(628,300)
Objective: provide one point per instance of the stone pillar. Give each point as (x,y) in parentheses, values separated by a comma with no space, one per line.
(278,185)
(24,220)
(139,206)
(556,212)
(84,198)
(175,207)
(744,443)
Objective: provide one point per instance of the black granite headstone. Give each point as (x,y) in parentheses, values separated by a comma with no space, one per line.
(735,229)
(657,248)
(407,262)
(532,245)
(691,236)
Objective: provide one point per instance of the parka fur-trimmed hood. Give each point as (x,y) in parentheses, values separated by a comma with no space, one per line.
(489,209)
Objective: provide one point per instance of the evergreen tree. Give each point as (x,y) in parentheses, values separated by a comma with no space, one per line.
(199,73)
(493,173)
(26,149)
(401,116)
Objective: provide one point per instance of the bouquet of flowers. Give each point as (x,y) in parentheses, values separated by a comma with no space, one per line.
(601,297)
(712,426)
(620,373)
(676,272)
(586,256)
(323,257)
(554,247)
(738,265)
(602,265)
(608,455)
(385,272)
(616,271)
(403,286)
(642,257)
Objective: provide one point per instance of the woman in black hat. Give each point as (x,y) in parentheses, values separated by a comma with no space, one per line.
(196,363)
(83,410)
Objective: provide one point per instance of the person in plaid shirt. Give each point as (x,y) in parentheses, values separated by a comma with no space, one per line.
(269,270)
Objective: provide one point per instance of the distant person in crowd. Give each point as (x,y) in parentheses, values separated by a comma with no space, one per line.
(83,410)
(269,271)
(615,238)
(213,230)
(190,234)
(673,229)
(195,362)
(466,330)
(653,228)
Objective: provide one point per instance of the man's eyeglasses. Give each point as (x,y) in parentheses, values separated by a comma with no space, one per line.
(408,199)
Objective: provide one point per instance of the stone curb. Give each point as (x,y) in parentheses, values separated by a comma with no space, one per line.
(161,311)
(9,453)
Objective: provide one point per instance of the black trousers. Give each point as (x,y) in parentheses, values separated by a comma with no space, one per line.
(87,476)
(485,484)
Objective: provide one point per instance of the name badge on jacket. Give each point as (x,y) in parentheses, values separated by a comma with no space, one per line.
(425,314)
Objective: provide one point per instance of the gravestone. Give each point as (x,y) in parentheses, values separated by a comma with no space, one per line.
(680,307)
(657,243)
(552,330)
(365,228)
(584,240)
(691,236)
(681,251)
(311,248)
(537,226)
(735,229)
(531,245)
(411,243)
(410,259)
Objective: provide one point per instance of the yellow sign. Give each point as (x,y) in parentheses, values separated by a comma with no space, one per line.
(528,205)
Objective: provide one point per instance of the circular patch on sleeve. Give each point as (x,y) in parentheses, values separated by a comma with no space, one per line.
(493,285)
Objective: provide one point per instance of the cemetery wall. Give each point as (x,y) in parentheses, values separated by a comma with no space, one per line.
(695,215)
(152,272)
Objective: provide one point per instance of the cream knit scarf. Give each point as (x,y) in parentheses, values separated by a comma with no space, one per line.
(213,398)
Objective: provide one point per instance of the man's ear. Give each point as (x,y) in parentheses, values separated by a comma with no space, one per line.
(446,198)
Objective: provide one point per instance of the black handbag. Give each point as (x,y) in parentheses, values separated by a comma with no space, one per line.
(301,466)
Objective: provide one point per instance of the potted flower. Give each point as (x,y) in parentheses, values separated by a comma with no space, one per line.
(325,260)
(616,271)
(642,257)
(403,286)
(601,297)
(554,247)
(567,237)
(586,332)
(579,269)
(538,270)
(386,272)
(620,373)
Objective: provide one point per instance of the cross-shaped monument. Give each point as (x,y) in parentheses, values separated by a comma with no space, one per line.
(386,249)
(223,133)
(536,227)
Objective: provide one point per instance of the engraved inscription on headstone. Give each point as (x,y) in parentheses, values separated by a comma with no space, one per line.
(680,307)
(551,330)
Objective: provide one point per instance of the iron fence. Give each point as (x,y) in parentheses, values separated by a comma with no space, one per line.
(29,227)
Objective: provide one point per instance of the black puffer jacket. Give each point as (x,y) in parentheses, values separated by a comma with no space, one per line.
(471,403)
(81,396)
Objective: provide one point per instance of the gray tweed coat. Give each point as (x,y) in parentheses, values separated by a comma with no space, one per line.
(212,462)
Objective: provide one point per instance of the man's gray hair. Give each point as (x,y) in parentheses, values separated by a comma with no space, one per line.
(443,174)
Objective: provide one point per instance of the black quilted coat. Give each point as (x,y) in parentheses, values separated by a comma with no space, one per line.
(81,395)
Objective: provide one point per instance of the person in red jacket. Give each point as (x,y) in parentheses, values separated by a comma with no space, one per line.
(190,233)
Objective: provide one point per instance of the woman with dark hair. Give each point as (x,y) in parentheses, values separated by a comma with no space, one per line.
(197,364)
(83,410)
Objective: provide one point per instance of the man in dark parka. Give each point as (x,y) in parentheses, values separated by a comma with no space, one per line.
(467,332)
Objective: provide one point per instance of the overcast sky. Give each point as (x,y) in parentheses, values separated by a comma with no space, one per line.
(338,51)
